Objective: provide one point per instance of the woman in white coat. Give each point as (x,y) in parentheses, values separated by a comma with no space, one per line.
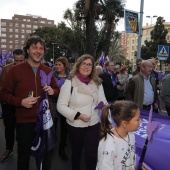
(77,101)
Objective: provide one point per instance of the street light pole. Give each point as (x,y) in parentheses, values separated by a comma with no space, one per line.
(53,52)
(151,17)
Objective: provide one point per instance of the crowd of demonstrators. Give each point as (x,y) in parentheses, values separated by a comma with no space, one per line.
(61,73)
(123,79)
(8,110)
(109,82)
(80,92)
(22,88)
(142,88)
(117,146)
(77,99)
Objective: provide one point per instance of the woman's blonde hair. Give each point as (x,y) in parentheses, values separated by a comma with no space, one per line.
(93,75)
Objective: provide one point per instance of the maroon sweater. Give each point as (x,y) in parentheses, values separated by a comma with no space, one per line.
(19,81)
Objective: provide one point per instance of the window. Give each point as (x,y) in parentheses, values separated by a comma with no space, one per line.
(3,23)
(35,27)
(28,26)
(28,31)
(3,46)
(16,30)
(28,20)
(10,30)
(3,29)
(3,40)
(16,36)
(3,35)
(10,41)
(16,24)
(10,46)
(49,22)
(43,22)
(10,24)
(22,31)
(22,36)
(23,25)
(10,36)
(24,20)
(16,18)
(16,41)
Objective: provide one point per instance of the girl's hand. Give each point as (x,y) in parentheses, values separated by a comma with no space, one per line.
(144,166)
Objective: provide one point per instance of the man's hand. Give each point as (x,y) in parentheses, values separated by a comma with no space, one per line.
(48,89)
(29,101)
(84,117)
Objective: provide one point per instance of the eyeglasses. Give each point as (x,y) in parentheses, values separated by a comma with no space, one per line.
(89,65)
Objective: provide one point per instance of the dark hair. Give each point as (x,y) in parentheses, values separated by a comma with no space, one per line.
(108,62)
(33,40)
(120,110)
(64,61)
(138,60)
(18,52)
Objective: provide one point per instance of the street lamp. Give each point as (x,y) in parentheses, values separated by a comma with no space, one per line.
(53,51)
(151,17)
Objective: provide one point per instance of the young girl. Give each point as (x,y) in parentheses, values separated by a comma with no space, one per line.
(116,150)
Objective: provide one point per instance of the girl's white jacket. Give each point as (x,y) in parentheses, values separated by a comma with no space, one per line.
(83,98)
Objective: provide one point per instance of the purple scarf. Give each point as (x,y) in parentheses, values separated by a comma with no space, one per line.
(82,79)
(113,77)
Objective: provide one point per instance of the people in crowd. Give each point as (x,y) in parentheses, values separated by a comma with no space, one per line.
(154,73)
(109,82)
(9,61)
(116,149)
(123,79)
(117,69)
(165,92)
(9,110)
(142,88)
(61,74)
(138,64)
(99,70)
(21,81)
(77,101)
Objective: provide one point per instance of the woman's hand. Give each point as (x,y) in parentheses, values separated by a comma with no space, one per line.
(84,117)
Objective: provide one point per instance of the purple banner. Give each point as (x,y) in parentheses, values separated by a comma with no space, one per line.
(158,150)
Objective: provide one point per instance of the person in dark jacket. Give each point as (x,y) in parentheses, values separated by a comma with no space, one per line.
(22,88)
(109,82)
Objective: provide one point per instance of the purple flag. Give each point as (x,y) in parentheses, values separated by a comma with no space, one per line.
(158,151)
(45,138)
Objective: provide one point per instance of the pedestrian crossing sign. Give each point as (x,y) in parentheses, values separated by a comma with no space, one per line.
(163,52)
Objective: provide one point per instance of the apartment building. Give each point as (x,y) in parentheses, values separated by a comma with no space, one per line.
(13,32)
(132,41)
(123,42)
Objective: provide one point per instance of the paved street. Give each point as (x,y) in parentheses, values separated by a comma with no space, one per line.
(11,164)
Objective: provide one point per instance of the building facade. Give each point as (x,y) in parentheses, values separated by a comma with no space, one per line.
(132,41)
(14,32)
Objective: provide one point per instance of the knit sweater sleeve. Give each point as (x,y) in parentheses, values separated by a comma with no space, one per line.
(7,92)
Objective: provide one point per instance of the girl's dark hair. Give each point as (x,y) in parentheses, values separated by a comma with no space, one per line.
(120,111)
(33,40)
